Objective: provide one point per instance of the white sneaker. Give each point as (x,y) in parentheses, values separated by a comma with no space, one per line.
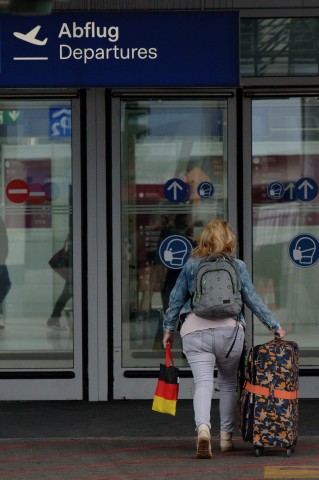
(204,448)
(226,442)
(55,325)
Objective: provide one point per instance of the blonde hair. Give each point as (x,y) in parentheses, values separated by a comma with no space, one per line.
(216,237)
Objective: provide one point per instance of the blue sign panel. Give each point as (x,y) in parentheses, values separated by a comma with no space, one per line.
(306,189)
(175,190)
(60,122)
(289,194)
(84,49)
(304,250)
(205,190)
(276,190)
(174,251)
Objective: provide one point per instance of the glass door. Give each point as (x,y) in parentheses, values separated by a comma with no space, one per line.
(285,202)
(173,179)
(40,345)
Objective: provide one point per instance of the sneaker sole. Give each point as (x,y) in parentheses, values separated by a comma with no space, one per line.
(57,328)
(204,449)
(226,449)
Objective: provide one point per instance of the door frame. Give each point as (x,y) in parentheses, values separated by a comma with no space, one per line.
(309,375)
(138,383)
(55,383)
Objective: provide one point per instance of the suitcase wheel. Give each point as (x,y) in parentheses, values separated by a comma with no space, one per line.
(258,451)
(290,451)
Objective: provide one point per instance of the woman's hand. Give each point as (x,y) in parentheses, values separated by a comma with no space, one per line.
(280,333)
(168,339)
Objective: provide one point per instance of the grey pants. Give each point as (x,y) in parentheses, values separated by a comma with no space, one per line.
(204,349)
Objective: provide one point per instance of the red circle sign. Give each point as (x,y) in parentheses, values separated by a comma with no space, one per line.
(17,191)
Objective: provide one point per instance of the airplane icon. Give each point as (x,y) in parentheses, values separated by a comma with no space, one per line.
(30,37)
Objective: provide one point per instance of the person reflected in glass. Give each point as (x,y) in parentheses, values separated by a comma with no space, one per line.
(54,322)
(5,283)
(205,341)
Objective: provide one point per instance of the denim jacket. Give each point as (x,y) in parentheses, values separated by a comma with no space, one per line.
(180,297)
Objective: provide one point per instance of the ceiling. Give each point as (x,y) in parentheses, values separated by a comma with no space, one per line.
(26,7)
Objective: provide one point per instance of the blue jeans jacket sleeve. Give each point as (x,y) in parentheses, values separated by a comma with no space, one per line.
(253,300)
(180,297)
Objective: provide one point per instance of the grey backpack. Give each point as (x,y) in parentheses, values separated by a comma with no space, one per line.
(217,288)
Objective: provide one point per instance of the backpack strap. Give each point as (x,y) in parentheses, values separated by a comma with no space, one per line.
(216,256)
(234,340)
(234,264)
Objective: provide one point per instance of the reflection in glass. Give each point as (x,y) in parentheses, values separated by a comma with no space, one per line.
(36,213)
(286,152)
(173,180)
(279,47)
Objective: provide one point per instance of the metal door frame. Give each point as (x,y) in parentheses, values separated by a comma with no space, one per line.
(309,376)
(138,383)
(55,384)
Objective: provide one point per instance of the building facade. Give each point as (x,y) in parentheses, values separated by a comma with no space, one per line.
(123,130)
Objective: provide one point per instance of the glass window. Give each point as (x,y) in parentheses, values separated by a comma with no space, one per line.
(279,47)
(173,180)
(35,222)
(285,170)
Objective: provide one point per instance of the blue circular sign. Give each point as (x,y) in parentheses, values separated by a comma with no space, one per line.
(175,190)
(174,251)
(304,250)
(205,190)
(306,189)
(275,190)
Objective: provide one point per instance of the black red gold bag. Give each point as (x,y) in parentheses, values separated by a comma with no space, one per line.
(166,393)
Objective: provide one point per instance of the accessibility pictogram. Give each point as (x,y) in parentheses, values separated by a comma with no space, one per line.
(60,122)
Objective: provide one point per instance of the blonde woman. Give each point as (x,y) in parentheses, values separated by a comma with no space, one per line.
(205,342)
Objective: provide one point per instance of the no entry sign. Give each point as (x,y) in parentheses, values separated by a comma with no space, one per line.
(37,194)
(17,191)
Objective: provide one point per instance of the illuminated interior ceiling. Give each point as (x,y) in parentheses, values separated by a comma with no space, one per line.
(26,7)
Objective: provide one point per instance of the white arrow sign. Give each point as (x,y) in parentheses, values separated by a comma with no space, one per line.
(305,186)
(14,115)
(175,185)
(290,189)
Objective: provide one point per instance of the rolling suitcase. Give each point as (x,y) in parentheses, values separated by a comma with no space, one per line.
(268,415)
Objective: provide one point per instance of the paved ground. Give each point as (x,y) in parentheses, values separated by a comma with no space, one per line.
(126,440)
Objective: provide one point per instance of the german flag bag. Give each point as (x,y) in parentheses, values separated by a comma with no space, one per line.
(166,393)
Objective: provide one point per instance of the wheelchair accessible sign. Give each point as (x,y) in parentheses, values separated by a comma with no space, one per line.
(174,251)
(304,250)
